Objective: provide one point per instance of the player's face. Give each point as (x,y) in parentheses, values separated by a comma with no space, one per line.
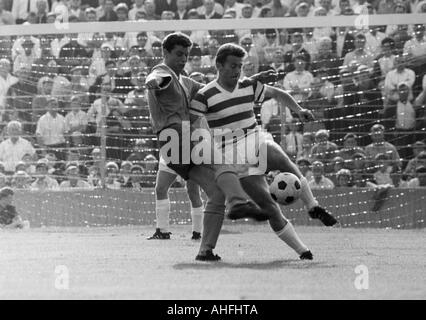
(176,58)
(230,71)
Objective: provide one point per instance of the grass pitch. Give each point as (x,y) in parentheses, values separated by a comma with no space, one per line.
(119,263)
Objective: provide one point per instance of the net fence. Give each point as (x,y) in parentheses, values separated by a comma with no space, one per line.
(78,91)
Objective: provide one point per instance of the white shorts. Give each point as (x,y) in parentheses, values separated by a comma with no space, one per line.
(248,155)
(162,166)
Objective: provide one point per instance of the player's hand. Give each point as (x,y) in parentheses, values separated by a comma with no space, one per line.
(306,115)
(152,84)
(265,77)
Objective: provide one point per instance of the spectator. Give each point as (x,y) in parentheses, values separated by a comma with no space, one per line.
(122,11)
(6,81)
(299,81)
(326,59)
(208,60)
(98,65)
(20,98)
(109,13)
(304,166)
(210,10)
(395,77)
(415,49)
(22,8)
(40,100)
(385,61)
(9,217)
(164,5)
(343,41)
(96,113)
(181,12)
(94,177)
(386,7)
(359,54)
(151,167)
(150,10)
(21,180)
(379,145)
(344,178)
(73,54)
(125,174)
(43,182)
(297,50)
(75,121)
(324,150)
(247,43)
(15,147)
(3,180)
(366,105)
(200,37)
(374,38)
(419,160)
(382,170)
(350,147)
(75,9)
(320,181)
(140,151)
(279,9)
(29,163)
(293,140)
(111,179)
(117,126)
(308,141)
(401,117)
(327,5)
(266,54)
(50,130)
(137,181)
(139,7)
(320,100)
(6,17)
(419,180)
(41,13)
(234,5)
(73,180)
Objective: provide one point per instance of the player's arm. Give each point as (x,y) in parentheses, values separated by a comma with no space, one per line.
(288,101)
(157,80)
(197,111)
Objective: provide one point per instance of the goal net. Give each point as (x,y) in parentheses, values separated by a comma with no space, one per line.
(77,89)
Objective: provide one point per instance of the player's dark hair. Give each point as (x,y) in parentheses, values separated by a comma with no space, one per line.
(229,49)
(176,39)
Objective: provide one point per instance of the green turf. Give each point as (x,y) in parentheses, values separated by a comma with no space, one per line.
(119,263)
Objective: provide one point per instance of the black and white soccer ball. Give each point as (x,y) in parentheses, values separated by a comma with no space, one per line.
(285,188)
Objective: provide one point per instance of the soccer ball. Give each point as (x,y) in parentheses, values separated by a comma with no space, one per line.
(285,188)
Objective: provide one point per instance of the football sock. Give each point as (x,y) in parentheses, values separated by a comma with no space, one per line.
(212,225)
(197,219)
(306,195)
(162,212)
(290,237)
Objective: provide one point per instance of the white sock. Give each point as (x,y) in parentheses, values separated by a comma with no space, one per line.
(306,195)
(290,237)
(197,219)
(162,212)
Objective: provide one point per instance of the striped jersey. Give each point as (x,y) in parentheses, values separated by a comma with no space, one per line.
(229,110)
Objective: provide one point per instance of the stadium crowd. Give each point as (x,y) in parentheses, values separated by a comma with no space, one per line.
(60,95)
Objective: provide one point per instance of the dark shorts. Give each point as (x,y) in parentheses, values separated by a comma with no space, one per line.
(183,164)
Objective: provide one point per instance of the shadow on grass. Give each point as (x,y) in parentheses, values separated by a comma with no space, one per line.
(276,264)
